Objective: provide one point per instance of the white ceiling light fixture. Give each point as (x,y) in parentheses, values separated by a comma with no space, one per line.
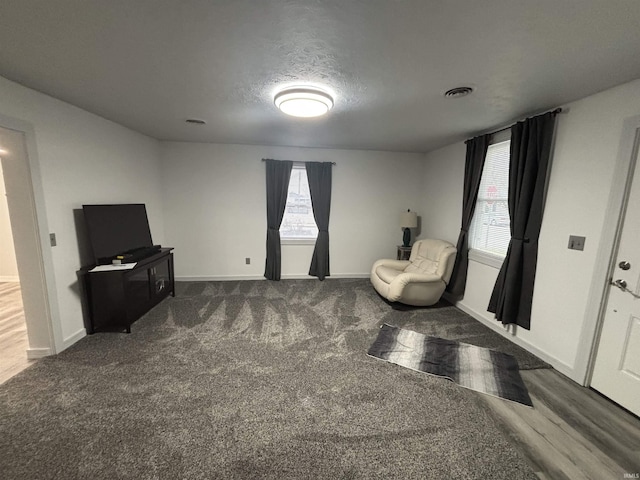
(303,101)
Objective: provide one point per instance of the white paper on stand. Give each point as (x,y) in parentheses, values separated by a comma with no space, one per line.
(110,268)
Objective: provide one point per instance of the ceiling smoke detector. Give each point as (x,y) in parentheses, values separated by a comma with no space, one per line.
(458,92)
(303,101)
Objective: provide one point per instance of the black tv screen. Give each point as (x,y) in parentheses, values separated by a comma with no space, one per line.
(116,229)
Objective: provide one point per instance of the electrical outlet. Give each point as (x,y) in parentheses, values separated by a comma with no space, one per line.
(576,243)
(247,261)
(52,239)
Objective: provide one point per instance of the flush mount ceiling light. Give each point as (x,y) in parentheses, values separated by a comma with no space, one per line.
(303,101)
(458,92)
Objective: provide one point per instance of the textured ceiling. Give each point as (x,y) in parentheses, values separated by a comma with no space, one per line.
(151,64)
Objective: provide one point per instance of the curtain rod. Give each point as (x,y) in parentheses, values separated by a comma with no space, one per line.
(294,161)
(553,112)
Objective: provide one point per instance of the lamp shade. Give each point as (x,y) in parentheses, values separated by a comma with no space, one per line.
(409,220)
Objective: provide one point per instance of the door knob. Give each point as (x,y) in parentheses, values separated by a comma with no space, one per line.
(621,284)
(624,265)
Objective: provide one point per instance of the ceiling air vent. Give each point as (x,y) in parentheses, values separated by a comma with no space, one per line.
(195,121)
(458,92)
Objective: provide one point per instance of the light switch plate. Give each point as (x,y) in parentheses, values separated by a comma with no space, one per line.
(52,239)
(576,242)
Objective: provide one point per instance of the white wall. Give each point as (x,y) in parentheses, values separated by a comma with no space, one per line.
(442,193)
(83,158)
(587,142)
(208,201)
(215,213)
(8,266)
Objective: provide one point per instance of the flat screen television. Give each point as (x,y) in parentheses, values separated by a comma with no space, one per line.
(116,229)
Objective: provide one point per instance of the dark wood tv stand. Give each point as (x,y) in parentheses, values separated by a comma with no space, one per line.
(118,298)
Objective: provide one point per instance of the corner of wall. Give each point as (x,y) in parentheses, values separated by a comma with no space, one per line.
(493,325)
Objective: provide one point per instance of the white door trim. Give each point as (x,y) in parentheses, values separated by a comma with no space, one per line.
(605,258)
(48,320)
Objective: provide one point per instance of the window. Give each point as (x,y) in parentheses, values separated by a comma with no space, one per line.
(298,222)
(489,234)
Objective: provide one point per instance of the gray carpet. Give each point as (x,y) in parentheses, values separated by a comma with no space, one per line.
(255,380)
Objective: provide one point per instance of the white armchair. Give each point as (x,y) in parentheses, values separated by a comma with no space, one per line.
(419,281)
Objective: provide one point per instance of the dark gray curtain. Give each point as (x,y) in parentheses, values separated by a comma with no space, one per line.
(319,176)
(530,153)
(278,175)
(476,154)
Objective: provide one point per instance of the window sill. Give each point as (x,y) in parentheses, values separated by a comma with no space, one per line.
(485,258)
(297,241)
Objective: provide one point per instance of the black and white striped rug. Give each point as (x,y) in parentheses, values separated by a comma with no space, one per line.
(476,368)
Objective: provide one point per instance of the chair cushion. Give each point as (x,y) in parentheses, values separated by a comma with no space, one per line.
(387,274)
(426,257)
(422,265)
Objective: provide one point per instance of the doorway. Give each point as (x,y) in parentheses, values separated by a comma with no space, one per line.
(616,369)
(14,341)
(24,202)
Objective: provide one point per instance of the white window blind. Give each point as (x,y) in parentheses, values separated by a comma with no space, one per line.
(489,232)
(298,222)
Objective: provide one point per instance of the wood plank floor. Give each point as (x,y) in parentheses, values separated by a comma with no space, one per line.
(13,332)
(572,432)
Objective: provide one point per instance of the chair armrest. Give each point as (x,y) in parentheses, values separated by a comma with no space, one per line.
(406,278)
(397,286)
(388,262)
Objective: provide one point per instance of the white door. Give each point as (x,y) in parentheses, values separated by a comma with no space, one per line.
(617,366)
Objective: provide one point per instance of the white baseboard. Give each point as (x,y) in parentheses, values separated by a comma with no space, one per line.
(497,327)
(9,278)
(217,278)
(35,353)
(333,276)
(223,278)
(70,340)
(349,275)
